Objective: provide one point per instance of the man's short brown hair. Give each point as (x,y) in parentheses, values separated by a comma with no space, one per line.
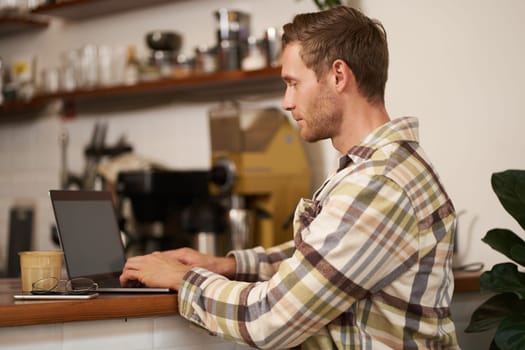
(343,33)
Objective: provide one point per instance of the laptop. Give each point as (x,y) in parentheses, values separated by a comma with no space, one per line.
(90,238)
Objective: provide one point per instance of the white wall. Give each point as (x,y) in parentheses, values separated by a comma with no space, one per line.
(457,65)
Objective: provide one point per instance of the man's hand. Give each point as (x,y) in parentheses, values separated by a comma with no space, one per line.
(166,269)
(154,270)
(222,265)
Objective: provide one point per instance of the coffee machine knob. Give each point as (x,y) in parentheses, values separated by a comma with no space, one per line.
(223,174)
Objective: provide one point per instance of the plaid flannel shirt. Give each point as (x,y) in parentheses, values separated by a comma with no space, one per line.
(369,266)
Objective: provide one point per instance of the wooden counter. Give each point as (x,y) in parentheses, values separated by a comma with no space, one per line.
(110,305)
(465,282)
(105,306)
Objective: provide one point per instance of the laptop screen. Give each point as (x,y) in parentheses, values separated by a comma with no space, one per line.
(89,232)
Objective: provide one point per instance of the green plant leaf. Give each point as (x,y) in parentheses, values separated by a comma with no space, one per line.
(506,310)
(509,186)
(510,334)
(518,254)
(503,278)
(507,243)
(489,314)
(326,4)
(493,345)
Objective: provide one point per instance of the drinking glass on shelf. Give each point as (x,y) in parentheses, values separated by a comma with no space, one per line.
(50,80)
(70,70)
(89,66)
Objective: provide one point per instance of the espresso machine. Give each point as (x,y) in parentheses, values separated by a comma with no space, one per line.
(260,170)
(161,209)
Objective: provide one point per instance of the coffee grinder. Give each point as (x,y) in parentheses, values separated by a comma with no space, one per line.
(260,169)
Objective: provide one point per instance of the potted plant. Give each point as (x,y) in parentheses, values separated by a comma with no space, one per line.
(505,310)
(326,4)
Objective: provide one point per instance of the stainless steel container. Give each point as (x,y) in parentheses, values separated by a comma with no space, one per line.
(232,32)
(272,41)
(240,224)
(208,243)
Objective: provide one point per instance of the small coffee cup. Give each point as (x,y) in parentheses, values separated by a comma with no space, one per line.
(35,265)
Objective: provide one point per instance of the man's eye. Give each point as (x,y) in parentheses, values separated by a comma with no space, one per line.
(290,83)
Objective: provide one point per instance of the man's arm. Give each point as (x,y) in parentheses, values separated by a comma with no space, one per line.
(225,266)
(251,265)
(258,264)
(340,257)
(167,269)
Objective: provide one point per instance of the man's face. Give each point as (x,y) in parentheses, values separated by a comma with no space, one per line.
(313,103)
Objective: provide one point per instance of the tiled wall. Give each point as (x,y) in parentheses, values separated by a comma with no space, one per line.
(29,163)
(30,160)
(169,332)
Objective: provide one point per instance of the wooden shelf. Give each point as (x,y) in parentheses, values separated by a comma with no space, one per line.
(17,23)
(24,106)
(206,83)
(40,17)
(81,9)
(215,86)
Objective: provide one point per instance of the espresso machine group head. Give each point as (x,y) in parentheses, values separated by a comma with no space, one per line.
(259,162)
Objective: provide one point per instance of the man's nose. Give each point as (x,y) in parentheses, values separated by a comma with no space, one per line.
(287,103)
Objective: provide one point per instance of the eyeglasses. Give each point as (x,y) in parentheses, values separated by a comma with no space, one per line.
(52,285)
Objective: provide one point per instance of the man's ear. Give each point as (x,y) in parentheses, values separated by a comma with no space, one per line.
(343,75)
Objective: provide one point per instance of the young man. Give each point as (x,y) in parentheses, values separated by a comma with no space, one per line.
(370,263)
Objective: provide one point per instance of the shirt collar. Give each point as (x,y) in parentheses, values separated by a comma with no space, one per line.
(395,131)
